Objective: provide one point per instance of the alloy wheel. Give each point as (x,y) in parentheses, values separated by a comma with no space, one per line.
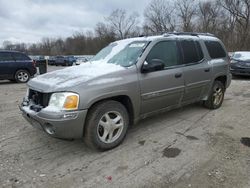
(110,127)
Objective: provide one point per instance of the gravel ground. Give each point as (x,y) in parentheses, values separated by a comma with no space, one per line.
(187,147)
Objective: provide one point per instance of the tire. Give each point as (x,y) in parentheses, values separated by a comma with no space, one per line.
(216,96)
(99,137)
(22,76)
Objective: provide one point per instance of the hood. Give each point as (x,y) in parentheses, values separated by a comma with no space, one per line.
(61,80)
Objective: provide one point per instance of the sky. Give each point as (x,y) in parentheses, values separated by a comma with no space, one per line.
(31,20)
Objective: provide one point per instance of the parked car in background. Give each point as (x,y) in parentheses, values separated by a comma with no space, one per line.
(65,60)
(80,60)
(240,63)
(71,59)
(127,81)
(51,60)
(16,66)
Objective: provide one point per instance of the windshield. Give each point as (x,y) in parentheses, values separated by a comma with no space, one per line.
(124,54)
(244,56)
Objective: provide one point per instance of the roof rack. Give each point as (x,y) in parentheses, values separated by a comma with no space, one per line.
(188,33)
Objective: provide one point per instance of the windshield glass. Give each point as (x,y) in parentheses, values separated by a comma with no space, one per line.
(244,56)
(124,54)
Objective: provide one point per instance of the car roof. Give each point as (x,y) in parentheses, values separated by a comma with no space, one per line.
(173,35)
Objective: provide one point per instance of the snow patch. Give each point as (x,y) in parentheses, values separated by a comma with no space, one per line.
(74,75)
(51,109)
(104,81)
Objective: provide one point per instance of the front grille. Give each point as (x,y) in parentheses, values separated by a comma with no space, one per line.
(244,64)
(41,99)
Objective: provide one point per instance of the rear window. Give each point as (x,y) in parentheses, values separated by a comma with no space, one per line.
(215,49)
(192,51)
(20,56)
(6,56)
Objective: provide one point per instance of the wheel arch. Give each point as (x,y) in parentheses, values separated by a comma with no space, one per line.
(123,99)
(18,69)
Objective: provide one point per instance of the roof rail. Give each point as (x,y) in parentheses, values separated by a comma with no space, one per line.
(188,33)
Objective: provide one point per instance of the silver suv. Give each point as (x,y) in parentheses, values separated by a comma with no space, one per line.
(126,81)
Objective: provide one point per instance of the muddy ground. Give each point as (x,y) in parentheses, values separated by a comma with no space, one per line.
(188,147)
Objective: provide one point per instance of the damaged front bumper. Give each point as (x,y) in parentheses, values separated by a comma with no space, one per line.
(63,124)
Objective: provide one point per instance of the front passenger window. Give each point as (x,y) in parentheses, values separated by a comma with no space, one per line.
(165,52)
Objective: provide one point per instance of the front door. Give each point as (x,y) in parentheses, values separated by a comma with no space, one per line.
(162,89)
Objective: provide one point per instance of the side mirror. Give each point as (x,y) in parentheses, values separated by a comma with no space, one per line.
(154,65)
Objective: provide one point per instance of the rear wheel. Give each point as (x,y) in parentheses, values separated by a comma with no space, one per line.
(216,96)
(106,125)
(22,76)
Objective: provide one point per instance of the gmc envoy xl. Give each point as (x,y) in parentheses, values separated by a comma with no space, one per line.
(126,81)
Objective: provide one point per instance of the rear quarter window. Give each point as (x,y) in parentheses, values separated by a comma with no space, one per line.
(215,49)
(20,57)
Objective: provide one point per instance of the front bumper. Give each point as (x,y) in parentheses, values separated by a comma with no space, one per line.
(240,71)
(66,125)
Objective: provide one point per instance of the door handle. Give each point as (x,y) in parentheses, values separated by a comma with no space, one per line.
(178,75)
(206,70)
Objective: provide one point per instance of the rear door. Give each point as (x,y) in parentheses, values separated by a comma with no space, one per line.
(163,88)
(197,71)
(6,65)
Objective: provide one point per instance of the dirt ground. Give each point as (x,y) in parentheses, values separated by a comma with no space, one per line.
(188,147)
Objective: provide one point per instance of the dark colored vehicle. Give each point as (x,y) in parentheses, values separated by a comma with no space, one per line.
(41,64)
(65,60)
(59,60)
(71,59)
(240,63)
(16,66)
(52,60)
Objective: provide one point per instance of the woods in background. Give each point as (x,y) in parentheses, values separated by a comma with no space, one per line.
(227,19)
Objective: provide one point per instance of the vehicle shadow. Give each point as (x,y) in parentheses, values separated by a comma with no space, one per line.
(247,78)
(168,118)
(7,82)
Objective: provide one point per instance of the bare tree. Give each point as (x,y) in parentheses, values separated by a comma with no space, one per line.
(208,13)
(122,24)
(186,11)
(240,11)
(159,17)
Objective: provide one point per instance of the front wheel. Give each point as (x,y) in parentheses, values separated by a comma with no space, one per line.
(106,125)
(216,96)
(22,76)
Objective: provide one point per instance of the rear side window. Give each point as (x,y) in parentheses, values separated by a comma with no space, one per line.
(165,51)
(20,56)
(215,49)
(192,51)
(6,56)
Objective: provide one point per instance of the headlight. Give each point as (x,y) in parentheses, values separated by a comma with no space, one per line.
(64,101)
(233,61)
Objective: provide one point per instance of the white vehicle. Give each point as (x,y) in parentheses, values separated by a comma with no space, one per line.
(81,60)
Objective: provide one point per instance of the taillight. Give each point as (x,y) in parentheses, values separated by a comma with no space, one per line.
(34,63)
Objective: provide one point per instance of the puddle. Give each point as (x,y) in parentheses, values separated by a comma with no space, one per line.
(142,142)
(245,141)
(189,137)
(247,95)
(171,152)
(229,127)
